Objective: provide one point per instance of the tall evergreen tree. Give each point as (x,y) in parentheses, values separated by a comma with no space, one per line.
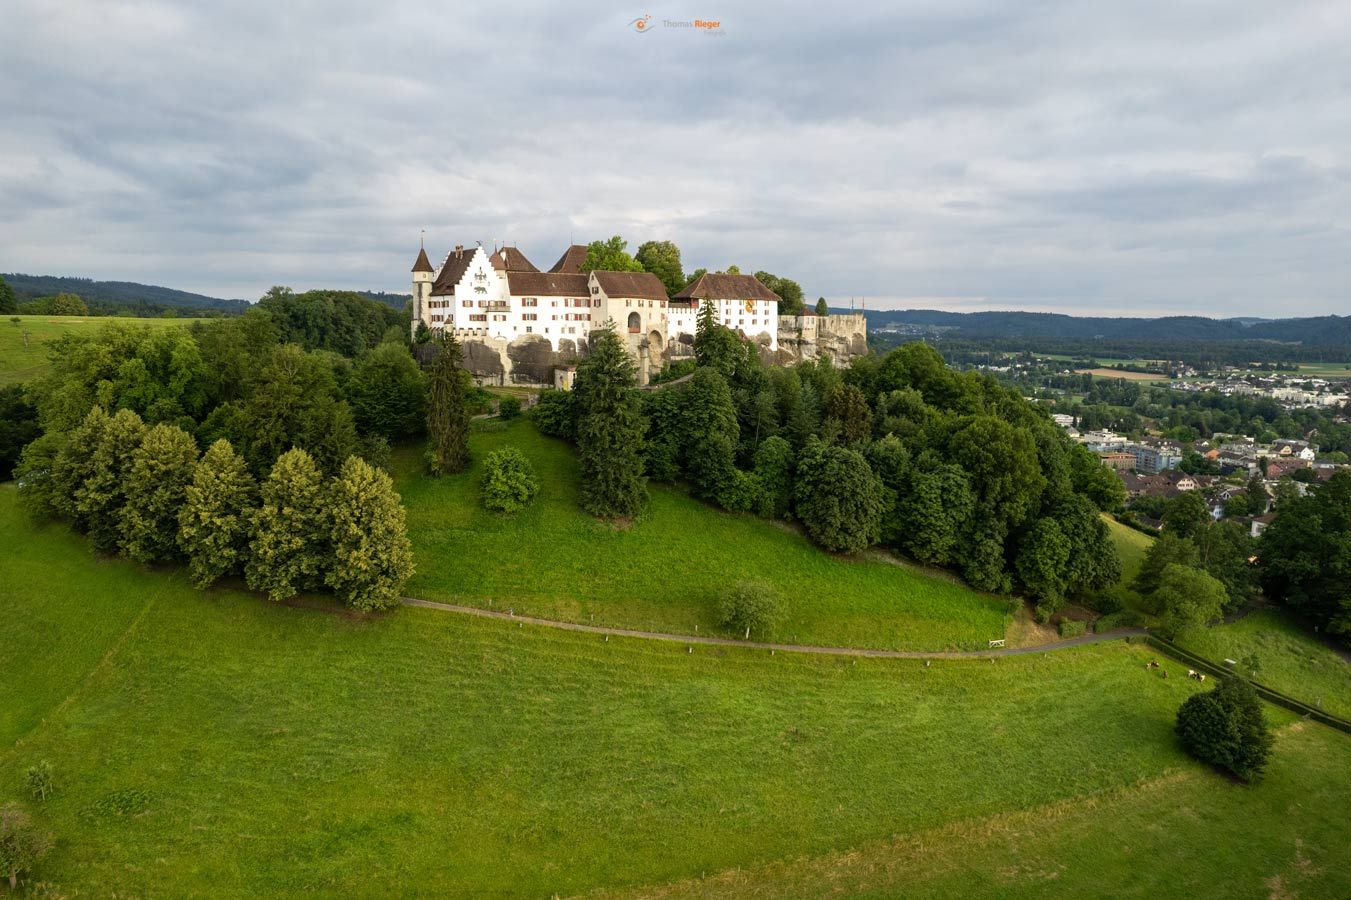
(711,432)
(372,557)
(213,524)
(448,410)
(161,469)
(715,345)
(609,429)
(288,550)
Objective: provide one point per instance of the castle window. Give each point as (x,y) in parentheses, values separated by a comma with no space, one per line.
(530,301)
(529,329)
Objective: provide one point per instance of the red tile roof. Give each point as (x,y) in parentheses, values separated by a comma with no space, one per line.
(721,286)
(638,285)
(547,284)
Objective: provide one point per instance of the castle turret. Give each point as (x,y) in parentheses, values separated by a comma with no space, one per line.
(422,287)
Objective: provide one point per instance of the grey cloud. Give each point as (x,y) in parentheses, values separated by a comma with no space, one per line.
(1150,156)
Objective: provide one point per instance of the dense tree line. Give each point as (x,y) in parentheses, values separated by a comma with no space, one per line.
(288,493)
(143,491)
(1305,554)
(951,468)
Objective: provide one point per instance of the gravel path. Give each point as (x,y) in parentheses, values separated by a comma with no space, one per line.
(691,639)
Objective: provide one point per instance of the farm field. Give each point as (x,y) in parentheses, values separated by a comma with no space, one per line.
(663,573)
(1326,370)
(215,743)
(1123,374)
(22,363)
(1289,660)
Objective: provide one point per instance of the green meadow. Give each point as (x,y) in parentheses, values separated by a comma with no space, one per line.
(1289,659)
(218,744)
(20,361)
(665,571)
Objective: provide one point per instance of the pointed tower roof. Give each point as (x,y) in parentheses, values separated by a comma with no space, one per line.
(422,264)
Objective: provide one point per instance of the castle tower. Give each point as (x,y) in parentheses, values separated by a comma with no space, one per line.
(422,288)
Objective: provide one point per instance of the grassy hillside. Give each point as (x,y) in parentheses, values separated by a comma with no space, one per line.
(20,362)
(1131,547)
(219,744)
(1289,659)
(664,573)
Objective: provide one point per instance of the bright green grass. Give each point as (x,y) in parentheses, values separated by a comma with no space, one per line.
(228,746)
(1187,834)
(1131,547)
(1289,659)
(20,363)
(665,571)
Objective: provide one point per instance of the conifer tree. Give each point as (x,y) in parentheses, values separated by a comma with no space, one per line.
(448,410)
(213,524)
(288,548)
(609,429)
(93,470)
(372,557)
(161,469)
(711,432)
(714,344)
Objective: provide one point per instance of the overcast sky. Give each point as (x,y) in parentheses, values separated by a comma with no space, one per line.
(1135,158)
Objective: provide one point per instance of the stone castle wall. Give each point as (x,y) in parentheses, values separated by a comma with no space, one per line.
(530,360)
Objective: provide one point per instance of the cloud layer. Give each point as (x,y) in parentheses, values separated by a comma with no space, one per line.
(1142,158)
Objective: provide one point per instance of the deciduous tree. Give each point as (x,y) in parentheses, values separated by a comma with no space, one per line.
(388,393)
(509,482)
(372,557)
(1226,728)
(213,524)
(610,256)
(289,544)
(156,486)
(839,499)
(662,258)
(1187,598)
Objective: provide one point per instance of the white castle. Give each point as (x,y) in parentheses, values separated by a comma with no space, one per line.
(518,324)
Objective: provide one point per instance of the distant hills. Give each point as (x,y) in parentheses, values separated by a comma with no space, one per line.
(133,296)
(1313,331)
(126,294)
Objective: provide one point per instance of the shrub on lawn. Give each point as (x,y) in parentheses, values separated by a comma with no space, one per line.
(22,844)
(508,408)
(1225,727)
(509,482)
(1124,618)
(750,608)
(556,414)
(39,777)
(1072,627)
